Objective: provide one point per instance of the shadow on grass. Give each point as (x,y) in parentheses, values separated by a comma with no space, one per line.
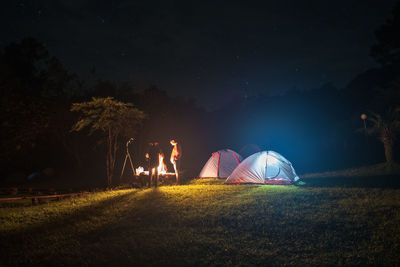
(58,223)
(124,222)
(389,181)
(158,229)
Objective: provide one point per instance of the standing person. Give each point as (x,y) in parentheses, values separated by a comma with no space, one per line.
(153,159)
(176,155)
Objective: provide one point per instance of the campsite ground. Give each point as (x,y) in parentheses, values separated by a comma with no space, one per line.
(209,223)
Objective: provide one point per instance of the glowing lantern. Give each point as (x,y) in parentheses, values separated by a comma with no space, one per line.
(139,170)
(364,117)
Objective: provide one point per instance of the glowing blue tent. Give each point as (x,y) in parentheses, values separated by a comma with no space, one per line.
(265,167)
(220,164)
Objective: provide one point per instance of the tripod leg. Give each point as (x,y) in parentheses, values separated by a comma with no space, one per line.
(123,168)
(133,169)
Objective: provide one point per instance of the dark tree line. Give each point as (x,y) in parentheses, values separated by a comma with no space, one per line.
(315,129)
(37,93)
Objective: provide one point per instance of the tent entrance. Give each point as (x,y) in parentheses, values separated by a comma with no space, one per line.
(272,169)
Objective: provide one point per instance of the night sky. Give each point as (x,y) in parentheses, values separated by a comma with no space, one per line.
(210,51)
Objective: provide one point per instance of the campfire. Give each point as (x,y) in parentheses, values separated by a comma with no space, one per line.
(162,168)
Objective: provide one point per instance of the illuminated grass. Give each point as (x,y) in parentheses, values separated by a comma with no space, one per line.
(208,223)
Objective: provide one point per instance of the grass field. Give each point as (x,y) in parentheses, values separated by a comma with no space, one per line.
(208,223)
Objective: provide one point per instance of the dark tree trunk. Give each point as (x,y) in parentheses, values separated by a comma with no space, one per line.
(388,151)
(110,167)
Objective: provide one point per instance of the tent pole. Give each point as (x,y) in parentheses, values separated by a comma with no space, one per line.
(266,167)
(219,157)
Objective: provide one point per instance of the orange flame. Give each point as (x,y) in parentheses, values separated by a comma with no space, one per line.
(162,168)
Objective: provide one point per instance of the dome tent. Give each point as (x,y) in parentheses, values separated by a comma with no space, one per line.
(220,164)
(265,167)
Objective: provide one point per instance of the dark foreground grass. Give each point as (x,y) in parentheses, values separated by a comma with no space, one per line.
(208,223)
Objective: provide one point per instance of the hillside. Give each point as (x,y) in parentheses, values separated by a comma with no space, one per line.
(207,223)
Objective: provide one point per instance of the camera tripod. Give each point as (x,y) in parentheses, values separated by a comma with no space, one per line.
(128,155)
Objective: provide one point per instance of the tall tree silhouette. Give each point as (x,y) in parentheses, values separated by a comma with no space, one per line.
(114,118)
(33,87)
(387,49)
(386,127)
